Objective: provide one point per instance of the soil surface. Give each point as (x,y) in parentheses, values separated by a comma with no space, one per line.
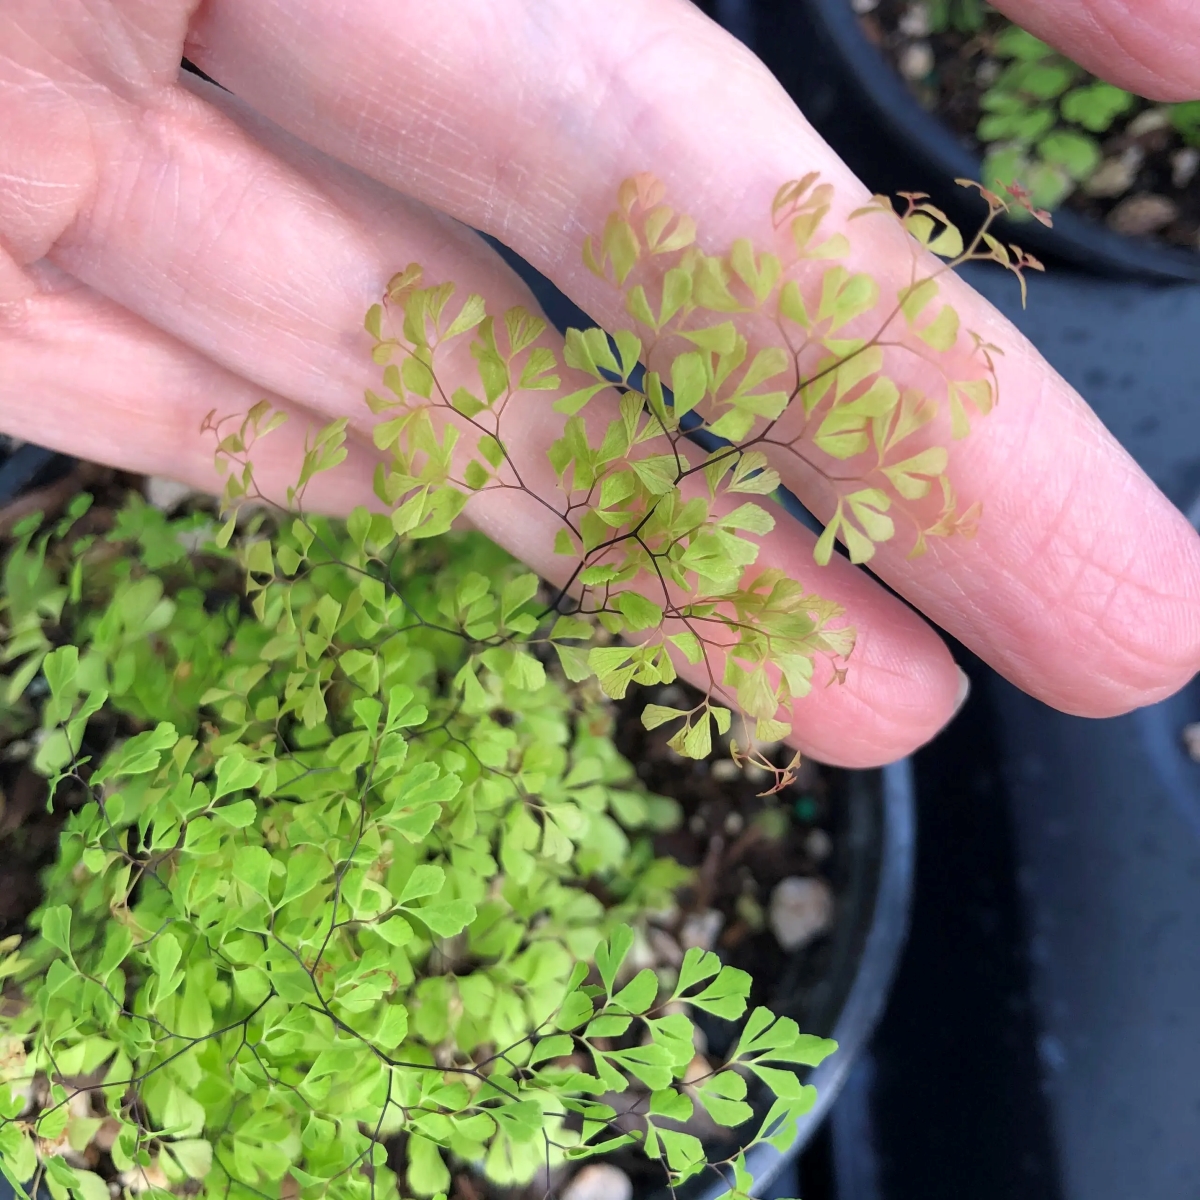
(28,830)
(1159,172)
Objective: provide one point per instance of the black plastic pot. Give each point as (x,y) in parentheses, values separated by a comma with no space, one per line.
(1161,726)
(862,106)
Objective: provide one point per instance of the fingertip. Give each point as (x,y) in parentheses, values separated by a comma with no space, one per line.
(902,689)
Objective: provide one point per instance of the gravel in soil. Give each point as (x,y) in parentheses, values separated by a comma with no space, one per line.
(1148,182)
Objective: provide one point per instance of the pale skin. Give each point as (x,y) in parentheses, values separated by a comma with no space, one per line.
(165,249)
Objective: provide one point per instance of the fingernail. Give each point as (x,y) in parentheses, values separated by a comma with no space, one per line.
(964,690)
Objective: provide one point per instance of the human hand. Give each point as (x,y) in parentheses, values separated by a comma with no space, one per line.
(171,250)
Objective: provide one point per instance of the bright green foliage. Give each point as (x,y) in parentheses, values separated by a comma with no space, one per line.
(1185,116)
(335,880)
(1043,116)
(331,893)
(1040,116)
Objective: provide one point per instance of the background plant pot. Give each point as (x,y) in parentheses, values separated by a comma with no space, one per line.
(860,104)
(1161,727)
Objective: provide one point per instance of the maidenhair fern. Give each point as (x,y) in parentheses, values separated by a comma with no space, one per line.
(327,918)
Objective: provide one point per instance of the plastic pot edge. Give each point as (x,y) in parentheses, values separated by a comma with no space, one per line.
(1073,238)
(1160,725)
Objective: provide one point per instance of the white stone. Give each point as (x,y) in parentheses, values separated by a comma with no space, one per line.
(916,61)
(168,494)
(725,769)
(801,910)
(1191,740)
(819,845)
(666,949)
(1184,165)
(1142,214)
(915,22)
(757,775)
(599,1181)
(987,72)
(701,930)
(1113,177)
(141,1179)
(1150,121)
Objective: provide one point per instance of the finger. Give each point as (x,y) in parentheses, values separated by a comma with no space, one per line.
(1149,47)
(89,378)
(278,296)
(140,405)
(524,128)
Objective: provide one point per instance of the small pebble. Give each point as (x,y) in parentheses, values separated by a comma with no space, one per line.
(1114,176)
(167,494)
(1142,214)
(862,7)
(141,1179)
(666,948)
(916,60)
(1150,121)
(16,751)
(734,823)
(801,910)
(1184,165)
(725,769)
(701,929)
(599,1181)
(106,1136)
(641,955)
(915,22)
(818,845)
(987,73)
(1191,740)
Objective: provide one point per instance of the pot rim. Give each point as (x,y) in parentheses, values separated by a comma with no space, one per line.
(1072,238)
(1160,726)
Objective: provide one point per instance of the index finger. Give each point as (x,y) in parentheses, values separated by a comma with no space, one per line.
(520,118)
(1125,43)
